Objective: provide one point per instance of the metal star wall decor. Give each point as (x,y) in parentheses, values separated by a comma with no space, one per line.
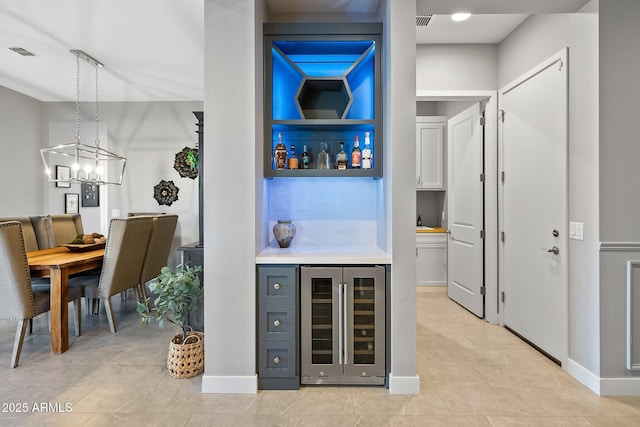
(165,192)
(186,162)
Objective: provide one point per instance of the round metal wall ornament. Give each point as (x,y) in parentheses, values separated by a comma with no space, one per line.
(186,162)
(165,192)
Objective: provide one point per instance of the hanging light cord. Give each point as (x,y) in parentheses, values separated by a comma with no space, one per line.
(97,111)
(77,98)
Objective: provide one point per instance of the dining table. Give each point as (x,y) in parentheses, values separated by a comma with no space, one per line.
(58,264)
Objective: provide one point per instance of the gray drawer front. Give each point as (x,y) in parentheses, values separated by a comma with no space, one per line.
(277,285)
(277,359)
(277,322)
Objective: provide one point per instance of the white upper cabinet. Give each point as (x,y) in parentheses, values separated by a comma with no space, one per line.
(430,153)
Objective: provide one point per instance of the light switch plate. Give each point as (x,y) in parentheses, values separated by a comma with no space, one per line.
(576,230)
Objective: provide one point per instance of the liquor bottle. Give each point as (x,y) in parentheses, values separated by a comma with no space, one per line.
(356,154)
(366,152)
(280,153)
(323,157)
(419,222)
(341,158)
(293,158)
(306,158)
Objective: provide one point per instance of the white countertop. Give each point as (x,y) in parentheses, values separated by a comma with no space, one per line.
(323,255)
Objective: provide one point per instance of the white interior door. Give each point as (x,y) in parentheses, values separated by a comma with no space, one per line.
(465,251)
(533,138)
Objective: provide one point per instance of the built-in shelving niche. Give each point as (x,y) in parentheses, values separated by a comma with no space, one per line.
(322,84)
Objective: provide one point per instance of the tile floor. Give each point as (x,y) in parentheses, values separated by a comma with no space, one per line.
(472,374)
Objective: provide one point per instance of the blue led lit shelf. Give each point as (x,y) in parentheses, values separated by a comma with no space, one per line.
(322,85)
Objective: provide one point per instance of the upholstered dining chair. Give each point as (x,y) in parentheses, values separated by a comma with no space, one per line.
(158,248)
(34,240)
(123,258)
(18,301)
(64,228)
(28,233)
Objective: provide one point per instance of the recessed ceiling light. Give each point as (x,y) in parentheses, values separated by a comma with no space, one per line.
(460,16)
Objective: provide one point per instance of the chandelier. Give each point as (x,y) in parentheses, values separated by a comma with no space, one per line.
(83,163)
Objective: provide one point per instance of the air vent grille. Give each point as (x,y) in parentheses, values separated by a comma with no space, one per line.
(423,20)
(21,51)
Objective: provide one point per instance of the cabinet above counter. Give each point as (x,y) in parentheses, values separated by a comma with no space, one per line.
(347,255)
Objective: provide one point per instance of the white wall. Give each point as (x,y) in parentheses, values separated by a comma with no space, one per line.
(21,167)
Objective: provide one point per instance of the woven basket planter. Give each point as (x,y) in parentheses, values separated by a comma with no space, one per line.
(186,360)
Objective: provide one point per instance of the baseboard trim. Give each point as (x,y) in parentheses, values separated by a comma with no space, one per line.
(404,385)
(230,384)
(620,386)
(603,386)
(582,374)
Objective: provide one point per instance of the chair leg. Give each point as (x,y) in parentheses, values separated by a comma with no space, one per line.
(77,318)
(30,326)
(109,309)
(17,343)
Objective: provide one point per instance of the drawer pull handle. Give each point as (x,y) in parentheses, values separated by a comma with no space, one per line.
(276,360)
(276,322)
(276,286)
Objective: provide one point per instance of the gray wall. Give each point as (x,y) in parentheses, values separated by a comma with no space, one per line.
(147,133)
(456,67)
(536,39)
(619,173)
(21,168)
(399,87)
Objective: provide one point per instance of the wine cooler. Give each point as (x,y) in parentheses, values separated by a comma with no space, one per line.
(342,325)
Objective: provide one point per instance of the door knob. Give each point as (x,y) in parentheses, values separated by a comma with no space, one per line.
(554,250)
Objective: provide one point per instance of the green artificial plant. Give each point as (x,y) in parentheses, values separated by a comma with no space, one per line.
(192,159)
(178,292)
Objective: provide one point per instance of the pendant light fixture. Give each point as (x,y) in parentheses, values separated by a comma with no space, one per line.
(83,163)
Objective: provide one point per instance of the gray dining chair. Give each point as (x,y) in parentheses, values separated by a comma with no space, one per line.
(31,228)
(123,258)
(158,248)
(19,302)
(64,228)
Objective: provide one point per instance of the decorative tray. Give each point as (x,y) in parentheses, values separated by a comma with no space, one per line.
(81,247)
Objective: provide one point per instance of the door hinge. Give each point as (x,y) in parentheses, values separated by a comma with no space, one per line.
(482,177)
(502,236)
(482,121)
(416,251)
(502,176)
(501,112)
(483,290)
(482,234)
(502,296)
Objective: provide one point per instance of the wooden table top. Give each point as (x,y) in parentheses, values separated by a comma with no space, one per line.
(62,257)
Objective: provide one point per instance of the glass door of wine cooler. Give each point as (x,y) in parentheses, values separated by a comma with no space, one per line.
(365,323)
(320,310)
(343,325)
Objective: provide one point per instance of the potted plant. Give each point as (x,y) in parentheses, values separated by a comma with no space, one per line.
(178,292)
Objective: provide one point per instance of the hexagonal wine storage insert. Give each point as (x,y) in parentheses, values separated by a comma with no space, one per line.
(328,98)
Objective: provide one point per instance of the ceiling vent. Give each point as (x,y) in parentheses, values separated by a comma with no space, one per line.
(423,20)
(21,51)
